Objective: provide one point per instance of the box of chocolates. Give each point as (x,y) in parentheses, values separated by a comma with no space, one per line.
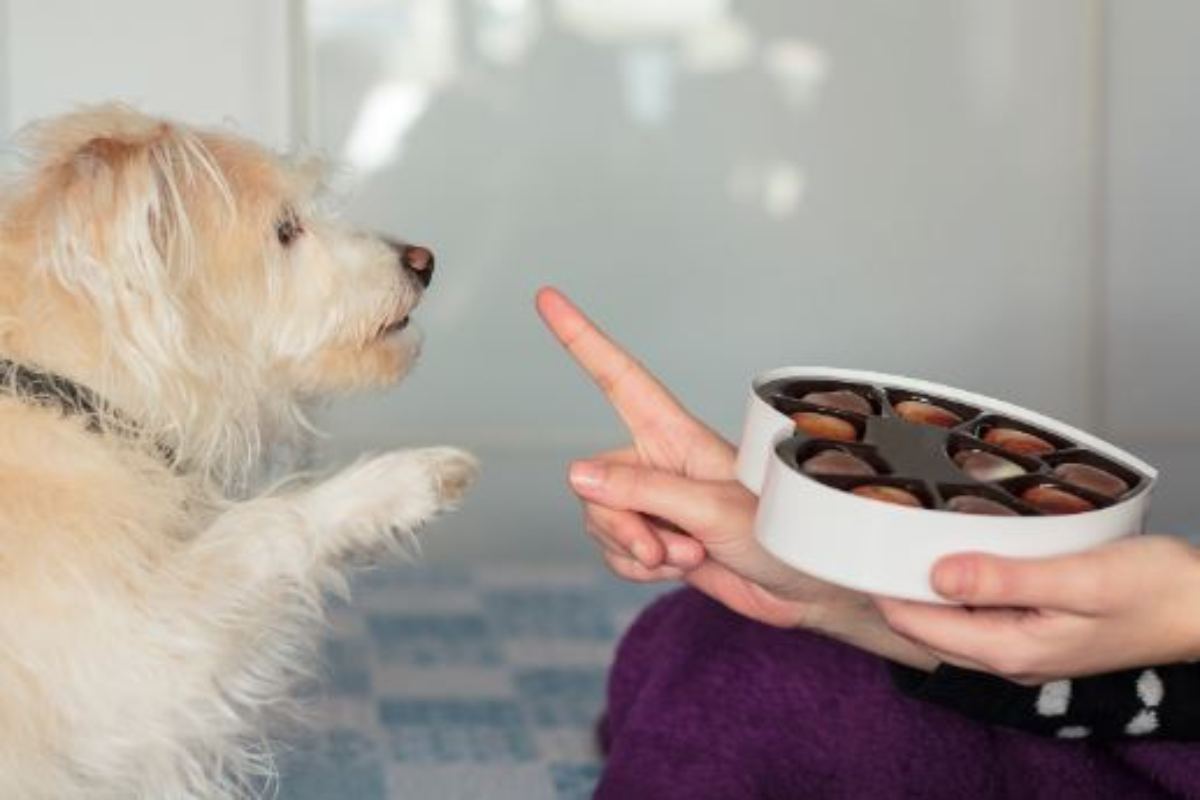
(866,480)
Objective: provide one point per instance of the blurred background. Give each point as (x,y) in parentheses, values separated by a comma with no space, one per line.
(997,194)
(992,193)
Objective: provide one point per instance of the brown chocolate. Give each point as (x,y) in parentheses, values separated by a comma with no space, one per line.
(924,413)
(888,494)
(836,462)
(1085,476)
(973,504)
(825,426)
(841,399)
(1052,500)
(1019,442)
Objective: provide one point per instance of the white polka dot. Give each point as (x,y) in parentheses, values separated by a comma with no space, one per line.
(1150,688)
(1074,732)
(1145,722)
(1053,699)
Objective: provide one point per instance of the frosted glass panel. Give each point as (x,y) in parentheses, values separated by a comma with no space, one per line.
(728,185)
(1153,194)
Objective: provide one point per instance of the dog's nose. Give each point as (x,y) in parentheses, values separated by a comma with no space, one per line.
(419,261)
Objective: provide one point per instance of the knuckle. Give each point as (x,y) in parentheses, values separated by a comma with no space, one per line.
(622,529)
(609,380)
(597,523)
(624,482)
(621,566)
(1010,664)
(713,509)
(895,618)
(987,579)
(1172,549)
(1094,589)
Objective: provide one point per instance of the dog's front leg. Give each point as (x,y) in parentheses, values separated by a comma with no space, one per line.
(241,606)
(300,535)
(384,499)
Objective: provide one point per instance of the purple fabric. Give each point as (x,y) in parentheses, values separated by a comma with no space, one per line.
(704,704)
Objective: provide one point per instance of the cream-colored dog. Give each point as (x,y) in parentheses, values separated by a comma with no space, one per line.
(169,304)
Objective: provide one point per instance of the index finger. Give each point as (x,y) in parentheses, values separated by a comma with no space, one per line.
(637,396)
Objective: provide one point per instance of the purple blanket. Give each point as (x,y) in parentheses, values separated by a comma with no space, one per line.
(706,705)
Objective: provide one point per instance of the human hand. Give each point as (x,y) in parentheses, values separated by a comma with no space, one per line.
(1133,602)
(664,436)
(668,506)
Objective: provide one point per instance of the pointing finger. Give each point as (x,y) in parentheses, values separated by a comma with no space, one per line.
(637,396)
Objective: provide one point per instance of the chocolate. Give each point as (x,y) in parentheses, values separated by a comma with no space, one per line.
(987,467)
(841,399)
(922,449)
(888,494)
(1085,476)
(1019,442)
(825,426)
(1052,500)
(973,504)
(836,462)
(924,413)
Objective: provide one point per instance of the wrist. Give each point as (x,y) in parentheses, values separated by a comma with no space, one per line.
(854,620)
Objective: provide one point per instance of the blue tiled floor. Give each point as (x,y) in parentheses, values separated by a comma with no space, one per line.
(456,684)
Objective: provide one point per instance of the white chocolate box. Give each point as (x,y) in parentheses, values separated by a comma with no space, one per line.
(889,549)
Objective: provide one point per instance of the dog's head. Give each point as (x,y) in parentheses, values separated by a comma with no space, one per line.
(188,276)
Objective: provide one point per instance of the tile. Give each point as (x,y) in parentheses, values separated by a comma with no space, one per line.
(458,684)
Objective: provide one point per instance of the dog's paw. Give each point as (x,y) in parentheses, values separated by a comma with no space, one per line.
(454,471)
(395,493)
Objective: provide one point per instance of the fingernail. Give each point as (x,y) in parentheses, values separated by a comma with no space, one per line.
(949,580)
(641,552)
(586,475)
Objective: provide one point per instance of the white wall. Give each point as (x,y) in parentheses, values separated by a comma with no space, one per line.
(1153,219)
(213,62)
(1152,246)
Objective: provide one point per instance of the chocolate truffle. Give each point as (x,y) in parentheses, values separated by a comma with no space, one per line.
(973,504)
(825,426)
(1019,442)
(984,466)
(1085,476)
(927,414)
(842,400)
(888,494)
(1052,500)
(836,462)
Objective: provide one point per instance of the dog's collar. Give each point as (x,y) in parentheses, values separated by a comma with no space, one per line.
(49,389)
(68,396)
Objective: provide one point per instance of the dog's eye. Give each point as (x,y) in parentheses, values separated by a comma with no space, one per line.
(288,228)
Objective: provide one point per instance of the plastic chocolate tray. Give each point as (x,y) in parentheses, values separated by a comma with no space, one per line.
(867,479)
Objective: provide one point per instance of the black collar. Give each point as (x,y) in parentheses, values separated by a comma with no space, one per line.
(48,389)
(71,398)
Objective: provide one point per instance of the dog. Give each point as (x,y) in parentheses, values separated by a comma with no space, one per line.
(171,307)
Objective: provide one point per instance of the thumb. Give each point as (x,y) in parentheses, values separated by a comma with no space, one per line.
(1070,583)
(701,508)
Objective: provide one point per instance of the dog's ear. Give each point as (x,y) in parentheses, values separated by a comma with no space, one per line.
(118,194)
(115,215)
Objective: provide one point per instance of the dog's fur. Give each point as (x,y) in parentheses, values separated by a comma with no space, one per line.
(154,613)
